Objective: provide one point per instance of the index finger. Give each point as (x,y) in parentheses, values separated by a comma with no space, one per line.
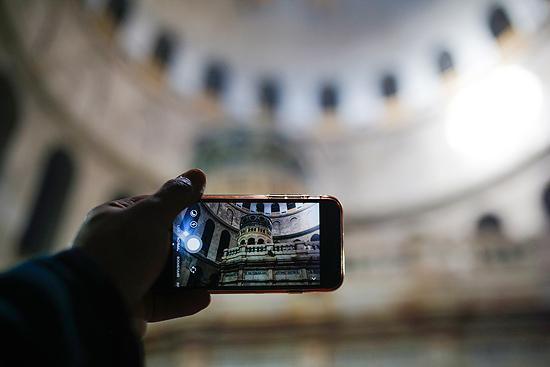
(165,306)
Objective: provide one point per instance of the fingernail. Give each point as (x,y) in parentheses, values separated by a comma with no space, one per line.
(183,181)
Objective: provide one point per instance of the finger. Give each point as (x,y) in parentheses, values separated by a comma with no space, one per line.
(174,196)
(140,326)
(115,205)
(165,306)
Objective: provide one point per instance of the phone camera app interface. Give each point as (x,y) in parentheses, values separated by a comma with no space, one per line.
(220,244)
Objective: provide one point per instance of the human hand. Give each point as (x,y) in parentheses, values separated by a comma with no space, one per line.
(130,240)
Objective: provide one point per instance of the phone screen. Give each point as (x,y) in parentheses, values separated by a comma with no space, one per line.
(247,244)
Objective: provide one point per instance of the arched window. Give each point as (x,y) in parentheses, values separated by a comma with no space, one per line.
(388,86)
(118,11)
(50,200)
(225,238)
(206,236)
(195,279)
(328,97)
(276,227)
(215,79)
(260,207)
(445,62)
(546,200)
(251,241)
(246,205)
(9,113)
(243,242)
(261,241)
(163,51)
(315,237)
(489,223)
(275,208)
(499,22)
(290,206)
(229,216)
(269,95)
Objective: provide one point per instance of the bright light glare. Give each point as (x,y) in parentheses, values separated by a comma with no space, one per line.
(193,244)
(496,116)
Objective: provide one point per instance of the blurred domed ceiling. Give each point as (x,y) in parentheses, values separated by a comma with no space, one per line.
(392,106)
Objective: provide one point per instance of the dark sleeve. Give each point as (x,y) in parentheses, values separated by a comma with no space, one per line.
(63,311)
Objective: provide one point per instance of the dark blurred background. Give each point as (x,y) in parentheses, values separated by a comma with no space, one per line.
(428,119)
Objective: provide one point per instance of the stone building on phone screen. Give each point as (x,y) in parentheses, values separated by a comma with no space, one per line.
(250,244)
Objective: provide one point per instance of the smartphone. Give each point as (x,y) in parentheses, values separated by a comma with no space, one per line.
(257,244)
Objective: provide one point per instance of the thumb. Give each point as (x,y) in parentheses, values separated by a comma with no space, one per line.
(174,196)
